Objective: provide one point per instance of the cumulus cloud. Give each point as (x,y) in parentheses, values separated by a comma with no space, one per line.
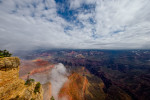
(84,24)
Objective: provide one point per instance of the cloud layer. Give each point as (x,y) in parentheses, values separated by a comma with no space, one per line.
(84,24)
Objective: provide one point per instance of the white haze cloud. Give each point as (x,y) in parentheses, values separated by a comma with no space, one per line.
(33,24)
(57,77)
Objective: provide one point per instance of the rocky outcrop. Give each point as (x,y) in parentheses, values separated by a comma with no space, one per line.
(75,88)
(9,63)
(13,88)
(47,91)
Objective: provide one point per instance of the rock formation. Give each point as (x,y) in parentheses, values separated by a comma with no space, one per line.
(75,88)
(47,91)
(13,88)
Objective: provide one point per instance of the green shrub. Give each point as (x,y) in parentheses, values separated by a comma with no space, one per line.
(52,98)
(37,87)
(29,81)
(4,53)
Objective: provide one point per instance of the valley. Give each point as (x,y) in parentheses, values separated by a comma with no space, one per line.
(110,75)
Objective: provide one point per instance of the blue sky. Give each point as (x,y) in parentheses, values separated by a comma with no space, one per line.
(77,24)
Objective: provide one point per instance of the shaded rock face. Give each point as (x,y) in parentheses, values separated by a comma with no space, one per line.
(13,88)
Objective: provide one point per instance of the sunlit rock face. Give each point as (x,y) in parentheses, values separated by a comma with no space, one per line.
(9,62)
(11,87)
(75,88)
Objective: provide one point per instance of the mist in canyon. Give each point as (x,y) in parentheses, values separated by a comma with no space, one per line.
(53,79)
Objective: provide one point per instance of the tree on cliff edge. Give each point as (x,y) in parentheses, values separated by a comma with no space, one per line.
(5,53)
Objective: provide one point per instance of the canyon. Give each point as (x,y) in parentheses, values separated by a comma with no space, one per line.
(76,75)
(110,74)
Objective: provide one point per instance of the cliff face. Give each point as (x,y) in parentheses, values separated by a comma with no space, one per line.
(47,91)
(75,88)
(13,88)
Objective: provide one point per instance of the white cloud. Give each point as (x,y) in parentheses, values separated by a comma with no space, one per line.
(58,78)
(116,24)
(74,4)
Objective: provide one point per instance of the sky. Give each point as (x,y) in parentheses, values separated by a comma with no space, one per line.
(74,24)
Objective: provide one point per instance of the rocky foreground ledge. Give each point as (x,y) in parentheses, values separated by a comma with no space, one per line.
(9,63)
(13,88)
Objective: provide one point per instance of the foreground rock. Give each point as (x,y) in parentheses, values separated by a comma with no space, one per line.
(13,88)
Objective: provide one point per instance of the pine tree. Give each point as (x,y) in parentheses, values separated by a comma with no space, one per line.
(4,53)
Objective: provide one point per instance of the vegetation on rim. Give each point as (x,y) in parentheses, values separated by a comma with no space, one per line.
(5,53)
(37,87)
